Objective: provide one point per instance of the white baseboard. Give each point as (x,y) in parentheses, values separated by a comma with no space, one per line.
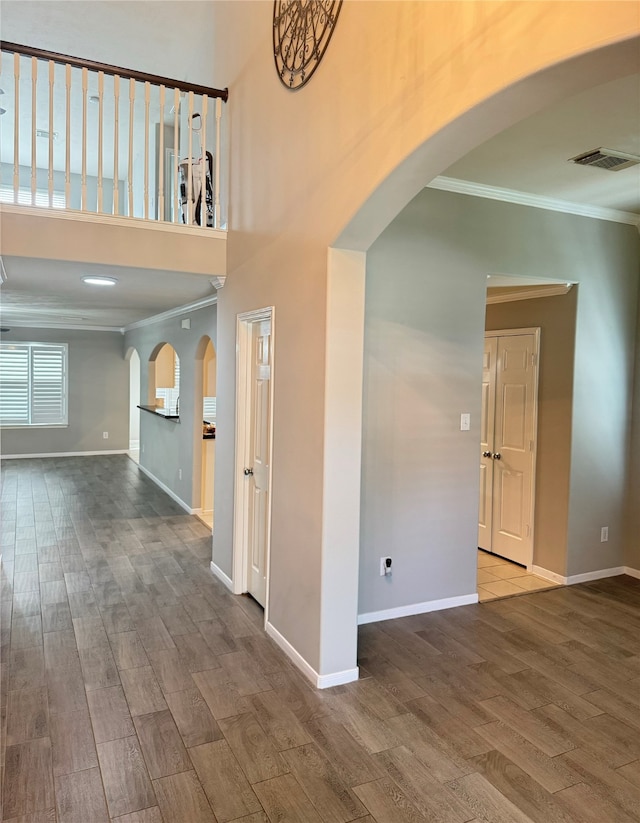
(134,444)
(64,454)
(320,681)
(539,571)
(586,577)
(217,571)
(418,608)
(166,489)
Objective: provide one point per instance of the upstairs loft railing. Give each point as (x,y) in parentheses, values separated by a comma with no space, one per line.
(87,136)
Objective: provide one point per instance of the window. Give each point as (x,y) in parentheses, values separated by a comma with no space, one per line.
(33,384)
(59,200)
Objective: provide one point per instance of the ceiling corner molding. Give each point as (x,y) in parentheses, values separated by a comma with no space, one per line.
(529,293)
(218,281)
(37,324)
(167,315)
(536,201)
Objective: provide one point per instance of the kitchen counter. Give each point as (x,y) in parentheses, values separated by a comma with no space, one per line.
(161,412)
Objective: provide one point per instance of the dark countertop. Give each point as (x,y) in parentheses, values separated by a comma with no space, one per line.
(161,412)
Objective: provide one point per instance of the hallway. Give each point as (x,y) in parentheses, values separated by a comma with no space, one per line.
(136,689)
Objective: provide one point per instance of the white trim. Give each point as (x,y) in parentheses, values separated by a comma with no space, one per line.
(63,454)
(166,489)
(114,220)
(217,571)
(537,201)
(527,292)
(166,315)
(585,577)
(320,681)
(36,324)
(548,575)
(418,608)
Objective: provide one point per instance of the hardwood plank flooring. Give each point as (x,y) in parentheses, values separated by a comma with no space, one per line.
(136,689)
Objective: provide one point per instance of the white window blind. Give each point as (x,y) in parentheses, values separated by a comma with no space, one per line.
(33,384)
(7,195)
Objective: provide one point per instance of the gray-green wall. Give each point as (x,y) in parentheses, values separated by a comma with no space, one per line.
(98,396)
(424,330)
(166,447)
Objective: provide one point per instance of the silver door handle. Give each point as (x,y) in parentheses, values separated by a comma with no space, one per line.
(486,454)
(248,472)
(497,456)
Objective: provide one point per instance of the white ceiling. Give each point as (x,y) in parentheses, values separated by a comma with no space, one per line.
(533,155)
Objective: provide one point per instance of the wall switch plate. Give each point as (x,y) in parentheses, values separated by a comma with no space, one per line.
(465,422)
(186,323)
(105,435)
(604,534)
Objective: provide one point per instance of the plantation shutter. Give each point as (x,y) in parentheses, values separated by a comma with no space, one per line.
(33,384)
(14,385)
(48,395)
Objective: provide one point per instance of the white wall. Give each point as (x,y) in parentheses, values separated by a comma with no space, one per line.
(424,334)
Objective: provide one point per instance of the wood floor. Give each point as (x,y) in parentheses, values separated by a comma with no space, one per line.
(136,689)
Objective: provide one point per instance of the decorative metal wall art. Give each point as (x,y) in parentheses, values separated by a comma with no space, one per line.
(301,33)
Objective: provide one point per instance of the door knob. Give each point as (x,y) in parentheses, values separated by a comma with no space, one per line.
(486,454)
(248,472)
(497,456)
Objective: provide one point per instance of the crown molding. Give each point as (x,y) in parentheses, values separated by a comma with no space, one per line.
(36,324)
(218,281)
(536,201)
(167,315)
(528,293)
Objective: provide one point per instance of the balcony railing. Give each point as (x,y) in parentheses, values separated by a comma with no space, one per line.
(86,136)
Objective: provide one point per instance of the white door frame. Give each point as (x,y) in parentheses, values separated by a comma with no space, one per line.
(240,567)
(535,331)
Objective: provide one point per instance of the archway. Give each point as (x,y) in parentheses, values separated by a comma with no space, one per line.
(134,399)
(164,378)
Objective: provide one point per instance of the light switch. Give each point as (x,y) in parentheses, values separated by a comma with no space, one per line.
(465,422)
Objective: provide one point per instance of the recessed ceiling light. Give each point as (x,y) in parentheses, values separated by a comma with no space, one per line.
(92,280)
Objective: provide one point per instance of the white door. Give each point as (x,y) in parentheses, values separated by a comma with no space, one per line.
(509,470)
(485,516)
(257,471)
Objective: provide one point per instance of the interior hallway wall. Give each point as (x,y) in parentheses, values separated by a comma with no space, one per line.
(556,318)
(424,322)
(98,396)
(302,165)
(171,450)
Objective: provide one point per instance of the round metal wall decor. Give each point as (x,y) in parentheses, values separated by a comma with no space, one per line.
(301,33)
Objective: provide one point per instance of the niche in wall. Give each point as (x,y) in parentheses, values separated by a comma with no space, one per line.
(164,378)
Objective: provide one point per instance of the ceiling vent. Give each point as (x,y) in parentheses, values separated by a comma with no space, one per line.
(607,159)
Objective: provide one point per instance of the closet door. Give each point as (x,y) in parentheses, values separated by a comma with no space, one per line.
(486,442)
(507,462)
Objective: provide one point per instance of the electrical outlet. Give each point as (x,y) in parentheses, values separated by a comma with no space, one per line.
(385,566)
(105,435)
(604,534)
(179,474)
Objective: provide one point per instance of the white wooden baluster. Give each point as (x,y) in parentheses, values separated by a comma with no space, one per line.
(116,137)
(34,126)
(190,162)
(100,127)
(67,132)
(83,178)
(216,174)
(203,164)
(132,97)
(52,69)
(176,152)
(147,97)
(161,158)
(16,128)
